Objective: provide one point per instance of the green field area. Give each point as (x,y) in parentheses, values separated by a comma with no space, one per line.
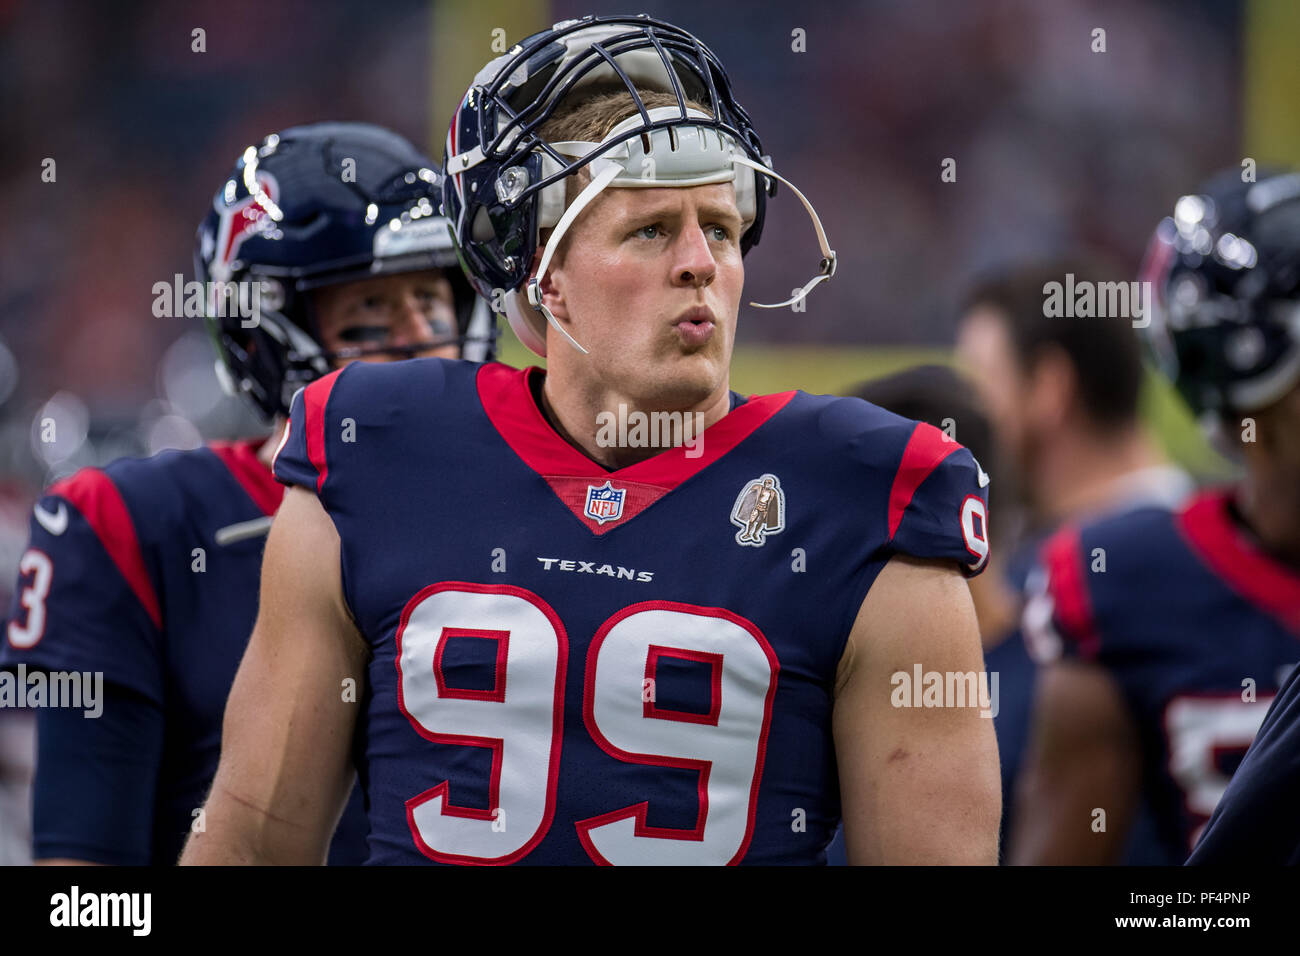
(758,369)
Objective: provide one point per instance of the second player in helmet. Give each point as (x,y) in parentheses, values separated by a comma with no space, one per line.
(1165,635)
(147,570)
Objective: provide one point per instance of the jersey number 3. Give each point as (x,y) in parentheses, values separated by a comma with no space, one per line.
(519,722)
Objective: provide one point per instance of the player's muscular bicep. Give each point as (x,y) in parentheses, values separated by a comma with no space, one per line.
(918,784)
(284,773)
(1082,780)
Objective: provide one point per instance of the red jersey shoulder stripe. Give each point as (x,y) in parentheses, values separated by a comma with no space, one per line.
(1208,527)
(926,449)
(93,494)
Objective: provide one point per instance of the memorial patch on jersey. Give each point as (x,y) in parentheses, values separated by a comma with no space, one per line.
(604,503)
(759,511)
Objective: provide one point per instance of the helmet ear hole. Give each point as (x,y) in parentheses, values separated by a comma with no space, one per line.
(482,230)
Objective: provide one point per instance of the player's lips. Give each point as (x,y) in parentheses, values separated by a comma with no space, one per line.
(695,325)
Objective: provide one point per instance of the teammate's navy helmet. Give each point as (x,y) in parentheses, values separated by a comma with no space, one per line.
(313,206)
(1225,274)
(504,183)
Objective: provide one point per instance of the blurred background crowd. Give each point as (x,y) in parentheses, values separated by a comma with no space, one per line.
(1056,146)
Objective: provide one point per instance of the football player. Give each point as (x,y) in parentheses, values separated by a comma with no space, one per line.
(580,650)
(1062,397)
(147,570)
(1166,634)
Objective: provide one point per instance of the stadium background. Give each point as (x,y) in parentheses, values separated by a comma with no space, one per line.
(1057,147)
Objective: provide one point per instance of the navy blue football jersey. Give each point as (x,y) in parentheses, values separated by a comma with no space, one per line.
(145,571)
(1258,819)
(578,665)
(1197,626)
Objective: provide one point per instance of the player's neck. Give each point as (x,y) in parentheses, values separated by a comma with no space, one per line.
(603,424)
(1084,474)
(1272,521)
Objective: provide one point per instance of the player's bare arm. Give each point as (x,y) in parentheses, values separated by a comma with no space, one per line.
(285,772)
(1081,784)
(919,785)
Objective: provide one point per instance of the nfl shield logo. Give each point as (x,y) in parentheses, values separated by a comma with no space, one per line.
(605,503)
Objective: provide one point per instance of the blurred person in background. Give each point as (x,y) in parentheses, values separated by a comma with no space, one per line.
(1062,395)
(1165,634)
(147,570)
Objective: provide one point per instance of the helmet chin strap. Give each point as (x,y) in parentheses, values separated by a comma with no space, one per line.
(614,170)
(827,267)
(599,182)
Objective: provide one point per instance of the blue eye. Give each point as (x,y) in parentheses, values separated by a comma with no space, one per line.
(644,229)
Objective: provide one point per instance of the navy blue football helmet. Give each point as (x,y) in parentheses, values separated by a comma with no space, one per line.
(1225,274)
(314,206)
(504,183)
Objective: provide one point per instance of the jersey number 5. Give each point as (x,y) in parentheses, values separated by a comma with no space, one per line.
(520,723)
(1204,733)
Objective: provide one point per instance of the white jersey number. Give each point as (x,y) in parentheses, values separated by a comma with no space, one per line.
(1200,730)
(520,721)
(29,633)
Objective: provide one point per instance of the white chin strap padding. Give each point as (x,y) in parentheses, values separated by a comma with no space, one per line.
(602,179)
(527,322)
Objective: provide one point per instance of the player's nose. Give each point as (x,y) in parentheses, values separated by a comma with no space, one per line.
(416,324)
(694,264)
(412,325)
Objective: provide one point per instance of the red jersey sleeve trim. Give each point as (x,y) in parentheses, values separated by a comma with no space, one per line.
(93,494)
(314,399)
(927,447)
(1068,586)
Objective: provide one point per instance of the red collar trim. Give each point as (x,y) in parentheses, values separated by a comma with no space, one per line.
(240,457)
(509,404)
(1207,525)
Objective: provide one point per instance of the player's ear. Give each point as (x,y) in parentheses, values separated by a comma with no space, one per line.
(553,286)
